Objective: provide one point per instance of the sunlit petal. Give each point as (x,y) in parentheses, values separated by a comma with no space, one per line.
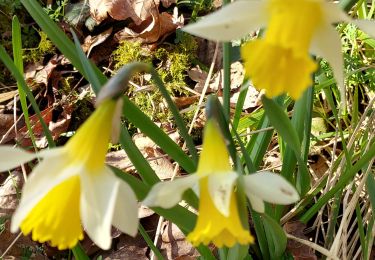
(270,187)
(368,26)
(231,22)
(327,44)
(98,199)
(169,193)
(11,157)
(256,203)
(125,216)
(220,187)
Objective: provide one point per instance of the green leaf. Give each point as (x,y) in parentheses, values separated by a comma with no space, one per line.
(276,237)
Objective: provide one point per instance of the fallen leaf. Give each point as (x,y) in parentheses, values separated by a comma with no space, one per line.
(137,10)
(151,30)
(298,250)
(91,41)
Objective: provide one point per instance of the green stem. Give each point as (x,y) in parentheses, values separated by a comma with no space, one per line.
(226,68)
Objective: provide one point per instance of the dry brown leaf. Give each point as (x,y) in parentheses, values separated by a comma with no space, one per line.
(151,30)
(158,161)
(8,202)
(137,10)
(298,250)
(91,41)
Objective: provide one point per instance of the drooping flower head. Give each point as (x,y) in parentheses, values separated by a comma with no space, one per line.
(72,189)
(279,62)
(218,218)
(218,203)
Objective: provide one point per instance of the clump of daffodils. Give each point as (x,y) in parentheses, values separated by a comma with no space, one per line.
(218,219)
(280,61)
(72,189)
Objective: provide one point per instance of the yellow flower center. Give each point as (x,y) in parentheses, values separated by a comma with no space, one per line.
(212,226)
(56,217)
(90,144)
(280,61)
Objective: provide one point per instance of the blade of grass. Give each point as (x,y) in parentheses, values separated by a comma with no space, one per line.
(149,242)
(4,57)
(176,114)
(239,106)
(342,182)
(18,61)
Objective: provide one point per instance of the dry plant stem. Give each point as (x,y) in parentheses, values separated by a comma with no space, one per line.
(339,243)
(314,246)
(292,213)
(10,246)
(202,96)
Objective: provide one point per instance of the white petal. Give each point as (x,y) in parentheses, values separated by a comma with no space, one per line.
(125,216)
(220,187)
(11,157)
(169,193)
(368,26)
(46,175)
(256,203)
(231,22)
(270,187)
(334,14)
(98,199)
(327,44)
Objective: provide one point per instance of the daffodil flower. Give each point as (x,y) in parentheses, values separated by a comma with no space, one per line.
(218,219)
(280,62)
(72,188)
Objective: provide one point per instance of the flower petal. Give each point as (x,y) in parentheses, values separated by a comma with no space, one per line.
(231,22)
(98,199)
(334,14)
(368,26)
(270,187)
(327,44)
(256,203)
(125,216)
(169,193)
(11,157)
(220,186)
(41,181)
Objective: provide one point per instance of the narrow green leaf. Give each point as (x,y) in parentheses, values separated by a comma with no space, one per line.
(18,62)
(347,176)
(4,57)
(176,114)
(79,253)
(275,236)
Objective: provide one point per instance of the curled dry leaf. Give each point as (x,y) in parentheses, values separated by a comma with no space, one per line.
(137,10)
(92,41)
(157,26)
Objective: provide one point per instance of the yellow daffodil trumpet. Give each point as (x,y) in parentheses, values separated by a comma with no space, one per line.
(218,219)
(279,62)
(72,189)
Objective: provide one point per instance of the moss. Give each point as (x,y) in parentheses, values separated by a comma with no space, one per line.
(45,47)
(171,62)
